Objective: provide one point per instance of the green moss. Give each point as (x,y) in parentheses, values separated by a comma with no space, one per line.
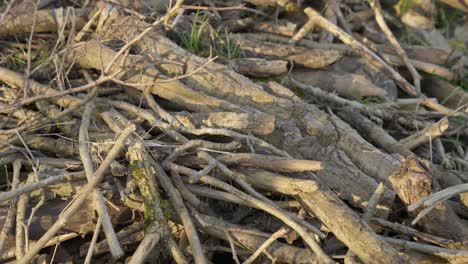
(147,221)
(138,174)
(164,204)
(136,170)
(167,210)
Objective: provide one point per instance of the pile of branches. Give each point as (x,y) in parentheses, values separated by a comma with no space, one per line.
(241,131)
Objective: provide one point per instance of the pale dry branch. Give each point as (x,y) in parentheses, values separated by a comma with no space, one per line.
(427,134)
(379,17)
(98,198)
(317,19)
(81,198)
(266,206)
(89,255)
(11,215)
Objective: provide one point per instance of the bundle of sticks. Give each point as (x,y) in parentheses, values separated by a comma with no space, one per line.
(246,131)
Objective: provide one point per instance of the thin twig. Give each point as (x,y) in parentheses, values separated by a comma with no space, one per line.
(431,201)
(82,88)
(454,256)
(89,255)
(406,230)
(280,233)
(375,4)
(233,246)
(98,198)
(21,230)
(137,151)
(268,207)
(81,198)
(11,214)
(50,180)
(130,43)
(7,10)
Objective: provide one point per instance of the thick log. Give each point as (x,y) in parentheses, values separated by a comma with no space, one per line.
(307,123)
(258,124)
(258,67)
(347,85)
(270,162)
(310,58)
(44,21)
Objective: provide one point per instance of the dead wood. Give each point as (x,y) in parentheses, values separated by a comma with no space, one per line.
(267,154)
(165,46)
(376,134)
(257,124)
(65,218)
(270,162)
(143,166)
(80,224)
(252,240)
(450,95)
(438,56)
(267,2)
(258,67)
(284,28)
(388,167)
(347,85)
(43,20)
(314,59)
(430,132)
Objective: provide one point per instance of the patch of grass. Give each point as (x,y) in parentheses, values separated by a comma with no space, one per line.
(42,57)
(445,16)
(221,45)
(14,58)
(17,57)
(453,141)
(458,119)
(225,47)
(192,42)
